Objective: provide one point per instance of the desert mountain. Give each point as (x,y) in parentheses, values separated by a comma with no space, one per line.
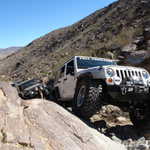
(7,51)
(119,31)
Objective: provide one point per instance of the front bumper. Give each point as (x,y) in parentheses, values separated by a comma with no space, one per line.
(124,92)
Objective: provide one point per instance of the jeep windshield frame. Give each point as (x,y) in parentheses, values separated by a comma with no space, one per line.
(28,83)
(89,62)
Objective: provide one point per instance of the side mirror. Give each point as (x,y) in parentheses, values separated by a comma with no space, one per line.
(72,73)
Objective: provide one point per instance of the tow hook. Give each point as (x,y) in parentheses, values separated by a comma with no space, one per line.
(124,90)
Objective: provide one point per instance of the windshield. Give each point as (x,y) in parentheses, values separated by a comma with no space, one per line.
(88,62)
(28,83)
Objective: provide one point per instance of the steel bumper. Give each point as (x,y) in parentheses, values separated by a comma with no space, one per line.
(123,92)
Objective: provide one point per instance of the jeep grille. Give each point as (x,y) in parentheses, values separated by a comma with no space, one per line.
(128,73)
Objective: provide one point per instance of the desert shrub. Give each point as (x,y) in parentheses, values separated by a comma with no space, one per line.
(137,32)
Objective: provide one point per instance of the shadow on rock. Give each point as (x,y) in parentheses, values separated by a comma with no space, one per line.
(128,135)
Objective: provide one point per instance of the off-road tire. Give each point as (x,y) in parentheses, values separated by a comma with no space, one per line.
(143,107)
(92,99)
(46,94)
(20,95)
(54,99)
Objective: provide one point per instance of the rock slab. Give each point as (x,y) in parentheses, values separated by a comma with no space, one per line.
(43,125)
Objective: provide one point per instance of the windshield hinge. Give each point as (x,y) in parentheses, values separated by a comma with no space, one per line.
(100,68)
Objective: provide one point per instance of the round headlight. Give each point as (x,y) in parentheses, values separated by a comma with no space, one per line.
(110,72)
(31,92)
(145,74)
(26,93)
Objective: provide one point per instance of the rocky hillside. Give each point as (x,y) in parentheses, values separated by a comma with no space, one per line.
(7,51)
(119,31)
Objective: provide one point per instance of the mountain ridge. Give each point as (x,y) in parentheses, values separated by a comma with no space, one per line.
(4,52)
(105,30)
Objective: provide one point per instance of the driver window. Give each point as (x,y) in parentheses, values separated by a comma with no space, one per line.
(62,72)
(70,67)
(56,76)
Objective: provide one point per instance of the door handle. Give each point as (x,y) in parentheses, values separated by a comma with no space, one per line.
(59,81)
(65,79)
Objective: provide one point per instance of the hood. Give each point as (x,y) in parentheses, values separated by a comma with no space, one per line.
(121,67)
(32,87)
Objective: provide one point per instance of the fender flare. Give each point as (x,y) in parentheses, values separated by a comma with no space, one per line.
(86,74)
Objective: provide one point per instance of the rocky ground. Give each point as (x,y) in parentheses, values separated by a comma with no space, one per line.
(114,123)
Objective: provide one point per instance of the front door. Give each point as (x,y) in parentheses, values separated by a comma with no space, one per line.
(61,82)
(69,80)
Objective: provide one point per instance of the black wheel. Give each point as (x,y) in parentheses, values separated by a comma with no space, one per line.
(87,98)
(20,95)
(140,115)
(54,99)
(46,94)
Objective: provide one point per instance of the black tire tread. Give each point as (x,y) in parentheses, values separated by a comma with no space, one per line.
(144,123)
(55,100)
(92,99)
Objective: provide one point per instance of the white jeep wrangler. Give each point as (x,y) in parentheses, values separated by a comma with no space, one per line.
(91,82)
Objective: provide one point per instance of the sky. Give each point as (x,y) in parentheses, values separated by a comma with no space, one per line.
(22,21)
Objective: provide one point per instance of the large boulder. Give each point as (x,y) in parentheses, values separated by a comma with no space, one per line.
(137,57)
(138,51)
(43,125)
(128,49)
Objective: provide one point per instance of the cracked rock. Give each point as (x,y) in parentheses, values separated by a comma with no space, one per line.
(43,125)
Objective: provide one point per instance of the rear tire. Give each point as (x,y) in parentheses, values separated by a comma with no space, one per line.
(87,98)
(54,99)
(20,95)
(140,115)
